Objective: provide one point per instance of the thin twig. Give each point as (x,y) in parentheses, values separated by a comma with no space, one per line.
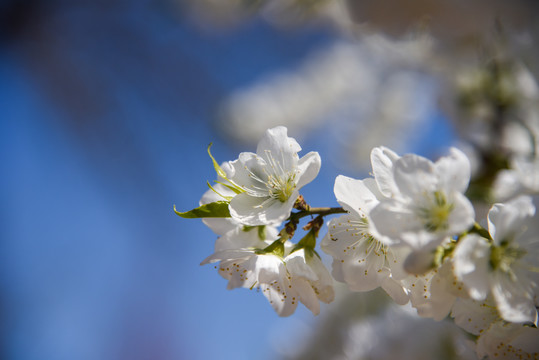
(322,211)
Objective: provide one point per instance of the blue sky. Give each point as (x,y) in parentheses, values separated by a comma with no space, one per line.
(95,265)
(105,116)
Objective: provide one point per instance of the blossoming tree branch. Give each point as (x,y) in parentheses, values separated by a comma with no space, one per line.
(409,229)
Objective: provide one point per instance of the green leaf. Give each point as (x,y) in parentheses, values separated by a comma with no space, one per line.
(218,209)
(220,172)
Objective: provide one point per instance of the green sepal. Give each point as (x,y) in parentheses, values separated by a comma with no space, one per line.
(262,232)
(234,188)
(260,228)
(311,252)
(276,248)
(227,198)
(218,209)
(220,172)
(308,242)
(481,231)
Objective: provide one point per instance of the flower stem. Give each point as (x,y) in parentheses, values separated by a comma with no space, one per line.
(321,211)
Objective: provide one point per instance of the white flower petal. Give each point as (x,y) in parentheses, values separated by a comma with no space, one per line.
(528,170)
(307,269)
(505,220)
(382,160)
(454,170)
(514,299)
(276,146)
(241,238)
(507,185)
(356,196)
(365,276)
(508,341)
(267,268)
(226,255)
(415,175)
(217,195)
(283,306)
(337,270)
(429,296)
(343,234)
(359,260)
(249,174)
(298,267)
(474,316)
(471,265)
(389,219)
(221,226)
(323,287)
(422,240)
(252,211)
(396,257)
(395,289)
(462,215)
(419,262)
(308,168)
(235,266)
(306,294)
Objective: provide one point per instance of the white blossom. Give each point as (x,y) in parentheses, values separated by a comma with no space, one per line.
(267,272)
(359,259)
(522,178)
(219,192)
(474,316)
(509,341)
(382,161)
(271,179)
(427,204)
(497,338)
(232,233)
(506,265)
(430,293)
(298,277)
(310,278)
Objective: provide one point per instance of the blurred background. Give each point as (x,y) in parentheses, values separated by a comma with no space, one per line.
(106,110)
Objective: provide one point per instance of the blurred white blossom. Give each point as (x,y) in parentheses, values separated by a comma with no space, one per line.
(504,266)
(522,178)
(475,316)
(509,341)
(377,86)
(398,333)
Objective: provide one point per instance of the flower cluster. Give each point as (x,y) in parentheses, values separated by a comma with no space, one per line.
(259,191)
(409,229)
